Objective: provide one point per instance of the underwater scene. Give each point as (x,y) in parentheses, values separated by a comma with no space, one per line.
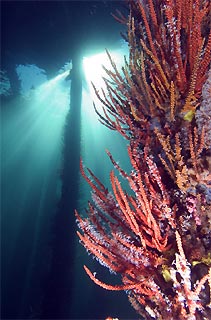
(106,159)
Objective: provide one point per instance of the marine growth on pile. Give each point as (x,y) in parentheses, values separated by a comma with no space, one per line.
(157,236)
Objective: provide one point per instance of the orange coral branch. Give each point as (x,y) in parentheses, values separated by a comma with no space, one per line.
(107,286)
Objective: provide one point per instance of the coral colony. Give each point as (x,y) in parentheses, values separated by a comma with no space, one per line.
(157,236)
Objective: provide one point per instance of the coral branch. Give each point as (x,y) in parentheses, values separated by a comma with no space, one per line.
(157,234)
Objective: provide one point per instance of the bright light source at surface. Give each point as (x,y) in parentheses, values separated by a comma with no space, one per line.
(93,68)
(94,72)
(96,137)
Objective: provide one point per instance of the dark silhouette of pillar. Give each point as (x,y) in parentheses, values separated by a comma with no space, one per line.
(59,284)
